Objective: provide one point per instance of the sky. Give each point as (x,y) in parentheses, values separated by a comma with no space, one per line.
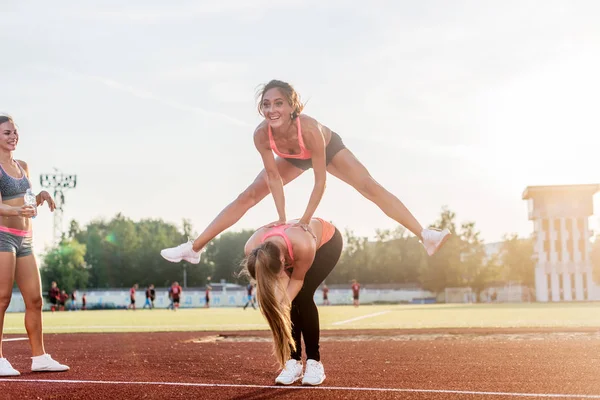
(152,104)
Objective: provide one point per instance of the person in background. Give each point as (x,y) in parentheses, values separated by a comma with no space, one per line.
(152,294)
(54,296)
(355,291)
(251,296)
(207,296)
(176,293)
(63,300)
(325,295)
(73,304)
(149,302)
(132,296)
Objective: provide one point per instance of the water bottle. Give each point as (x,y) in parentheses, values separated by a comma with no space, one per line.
(30,199)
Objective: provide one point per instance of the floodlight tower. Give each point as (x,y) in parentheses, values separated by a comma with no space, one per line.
(59,182)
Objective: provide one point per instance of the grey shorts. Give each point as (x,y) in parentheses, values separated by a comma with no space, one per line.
(21,246)
(335,146)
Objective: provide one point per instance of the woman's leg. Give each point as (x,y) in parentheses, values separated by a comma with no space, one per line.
(296,331)
(325,260)
(349,169)
(27,276)
(7,277)
(253,194)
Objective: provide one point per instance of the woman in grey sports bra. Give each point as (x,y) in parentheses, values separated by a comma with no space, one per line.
(17,261)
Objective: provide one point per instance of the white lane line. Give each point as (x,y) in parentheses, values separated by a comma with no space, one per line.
(157,327)
(336,388)
(14,339)
(362,317)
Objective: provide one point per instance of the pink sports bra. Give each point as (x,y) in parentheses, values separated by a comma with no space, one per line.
(280,231)
(304,152)
(327,234)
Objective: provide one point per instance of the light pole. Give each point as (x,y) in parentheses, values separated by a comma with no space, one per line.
(60,183)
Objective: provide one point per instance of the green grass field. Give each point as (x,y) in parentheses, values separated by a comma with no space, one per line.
(334,317)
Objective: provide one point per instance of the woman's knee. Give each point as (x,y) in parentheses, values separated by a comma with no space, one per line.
(4,301)
(369,187)
(34,302)
(254,194)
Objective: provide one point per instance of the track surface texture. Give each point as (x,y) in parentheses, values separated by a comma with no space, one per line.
(375,364)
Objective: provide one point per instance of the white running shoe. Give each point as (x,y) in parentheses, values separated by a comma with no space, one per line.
(291,373)
(182,252)
(314,374)
(45,363)
(6,369)
(433,240)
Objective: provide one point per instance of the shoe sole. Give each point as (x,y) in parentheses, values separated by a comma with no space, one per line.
(441,243)
(11,374)
(176,260)
(50,370)
(287,384)
(314,384)
(171,259)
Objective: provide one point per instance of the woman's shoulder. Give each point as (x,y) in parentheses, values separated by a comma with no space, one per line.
(307,120)
(309,123)
(261,128)
(254,240)
(23,164)
(261,136)
(300,239)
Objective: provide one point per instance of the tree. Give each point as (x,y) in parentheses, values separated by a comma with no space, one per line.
(517,260)
(121,252)
(442,270)
(65,264)
(225,254)
(354,260)
(462,260)
(395,257)
(74,229)
(476,273)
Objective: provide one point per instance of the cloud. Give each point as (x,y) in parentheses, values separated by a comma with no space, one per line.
(146,95)
(162,12)
(208,70)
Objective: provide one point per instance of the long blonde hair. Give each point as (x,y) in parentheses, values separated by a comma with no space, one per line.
(264,265)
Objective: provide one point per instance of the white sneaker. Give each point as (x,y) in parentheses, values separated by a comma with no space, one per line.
(182,252)
(6,369)
(291,373)
(433,240)
(45,363)
(314,374)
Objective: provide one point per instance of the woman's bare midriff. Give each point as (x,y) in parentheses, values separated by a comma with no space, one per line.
(20,223)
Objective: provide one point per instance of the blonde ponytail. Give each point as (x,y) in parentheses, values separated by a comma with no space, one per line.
(264,265)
